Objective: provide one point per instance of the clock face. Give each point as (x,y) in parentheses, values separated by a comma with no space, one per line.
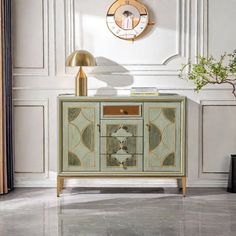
(127,19)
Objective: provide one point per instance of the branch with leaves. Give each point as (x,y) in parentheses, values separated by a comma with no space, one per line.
(211,71)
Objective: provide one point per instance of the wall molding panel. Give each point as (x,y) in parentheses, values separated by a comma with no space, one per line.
(42,106)
(168,65)
(208,35)
(180,19)
(213,137)
(35,60)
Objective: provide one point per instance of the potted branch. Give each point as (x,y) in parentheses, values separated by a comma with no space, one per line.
(211,71)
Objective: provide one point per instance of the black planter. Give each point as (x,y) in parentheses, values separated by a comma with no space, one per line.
(232,175)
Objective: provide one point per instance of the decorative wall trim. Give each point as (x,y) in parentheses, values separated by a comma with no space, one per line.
(212,174)
(197,30)
(37,103)
(70,88)
(164,68)
(205,49)
(202,28)
(42,71)
(120,183)
(216,183)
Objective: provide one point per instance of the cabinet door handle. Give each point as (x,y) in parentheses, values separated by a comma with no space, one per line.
(149,127)
(99,127)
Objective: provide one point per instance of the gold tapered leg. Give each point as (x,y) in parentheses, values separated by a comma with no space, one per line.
(184,185)
(60,185)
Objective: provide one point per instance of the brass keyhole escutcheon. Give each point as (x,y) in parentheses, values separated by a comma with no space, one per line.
(149,127)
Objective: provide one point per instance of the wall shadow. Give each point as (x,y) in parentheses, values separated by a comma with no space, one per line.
(113,74)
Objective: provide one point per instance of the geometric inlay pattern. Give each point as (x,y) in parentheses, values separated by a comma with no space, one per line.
(121,145)
(162,136)
(81,137)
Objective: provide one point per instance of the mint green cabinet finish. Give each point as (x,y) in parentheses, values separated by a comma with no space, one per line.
(150,142)
(80,136)
(162,135)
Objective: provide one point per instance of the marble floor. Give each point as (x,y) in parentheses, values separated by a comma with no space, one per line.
(107,211)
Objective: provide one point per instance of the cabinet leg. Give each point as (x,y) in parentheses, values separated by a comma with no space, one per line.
(184,185)
(60,185)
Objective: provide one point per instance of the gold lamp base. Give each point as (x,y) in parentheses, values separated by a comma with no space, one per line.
(81,58)
(81,83)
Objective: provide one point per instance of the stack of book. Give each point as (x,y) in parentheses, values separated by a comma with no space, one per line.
(144,91)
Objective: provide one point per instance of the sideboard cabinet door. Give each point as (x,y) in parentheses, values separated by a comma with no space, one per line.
(121,145)
(80,136)
(163,137)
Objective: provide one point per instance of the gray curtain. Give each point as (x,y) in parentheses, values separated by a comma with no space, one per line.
(6,144)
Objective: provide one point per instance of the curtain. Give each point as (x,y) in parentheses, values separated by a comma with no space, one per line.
(6,144)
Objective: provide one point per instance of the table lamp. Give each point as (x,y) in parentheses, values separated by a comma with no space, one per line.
(81,58)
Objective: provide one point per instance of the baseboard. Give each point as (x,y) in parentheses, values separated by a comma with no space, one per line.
(128,182)
(208,183)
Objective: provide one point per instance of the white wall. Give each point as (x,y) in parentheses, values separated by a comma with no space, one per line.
(46,31)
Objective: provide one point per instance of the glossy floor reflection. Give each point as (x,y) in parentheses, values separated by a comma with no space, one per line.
(37,212)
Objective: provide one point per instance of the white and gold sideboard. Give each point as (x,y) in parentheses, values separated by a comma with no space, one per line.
(121,137)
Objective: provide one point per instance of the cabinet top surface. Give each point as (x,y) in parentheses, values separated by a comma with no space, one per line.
(162,97)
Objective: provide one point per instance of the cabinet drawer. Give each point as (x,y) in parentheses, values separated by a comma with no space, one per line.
(118,146)
(121,127)
(121,110)
(125,163)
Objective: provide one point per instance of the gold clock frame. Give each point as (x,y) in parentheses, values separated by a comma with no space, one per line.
(139,6)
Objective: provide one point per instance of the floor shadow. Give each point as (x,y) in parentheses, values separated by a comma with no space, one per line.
(116,190)
(191,192)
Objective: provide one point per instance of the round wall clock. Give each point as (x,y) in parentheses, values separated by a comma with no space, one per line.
(127,19)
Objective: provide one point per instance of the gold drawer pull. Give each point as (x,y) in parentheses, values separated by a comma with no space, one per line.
(122,164)
(124,112)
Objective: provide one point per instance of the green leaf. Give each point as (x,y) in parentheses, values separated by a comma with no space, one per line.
(208,70)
